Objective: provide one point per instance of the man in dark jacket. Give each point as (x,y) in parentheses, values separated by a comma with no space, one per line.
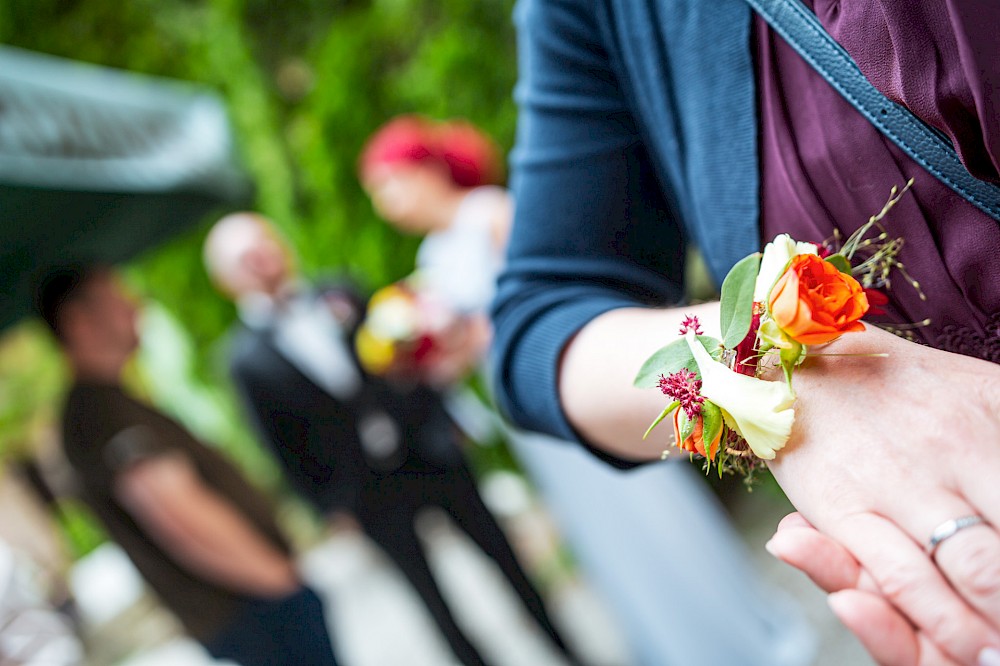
(201,536)
(349,441)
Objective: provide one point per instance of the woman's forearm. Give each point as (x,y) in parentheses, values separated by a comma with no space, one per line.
(597,369)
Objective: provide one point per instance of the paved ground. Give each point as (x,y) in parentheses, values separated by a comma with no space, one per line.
(380,622)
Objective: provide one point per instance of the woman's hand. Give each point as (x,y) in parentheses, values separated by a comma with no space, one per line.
(882,452)
(854,597)
(458,350)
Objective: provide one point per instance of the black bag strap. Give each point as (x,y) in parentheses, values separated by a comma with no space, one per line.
(928,147)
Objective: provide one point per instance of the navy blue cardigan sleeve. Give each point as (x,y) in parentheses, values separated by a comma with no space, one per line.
(593,229)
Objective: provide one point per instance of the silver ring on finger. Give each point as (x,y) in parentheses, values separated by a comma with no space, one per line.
(950,528)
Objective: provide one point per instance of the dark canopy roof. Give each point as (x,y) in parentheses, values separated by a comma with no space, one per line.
(99,164)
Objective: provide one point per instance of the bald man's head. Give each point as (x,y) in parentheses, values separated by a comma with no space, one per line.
(244,254)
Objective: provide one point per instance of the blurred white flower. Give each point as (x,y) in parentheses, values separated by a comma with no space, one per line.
(395,318)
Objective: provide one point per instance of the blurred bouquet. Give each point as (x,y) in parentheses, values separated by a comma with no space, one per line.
(409,332)
(400,329)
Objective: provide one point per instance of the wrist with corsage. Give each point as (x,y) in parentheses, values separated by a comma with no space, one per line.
(776,309)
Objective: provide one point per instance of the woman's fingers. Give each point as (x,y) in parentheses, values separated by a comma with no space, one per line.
(969,558)
(826,562)
(909,580)
(883,630)
(891,640)
(982,492)
(794,519)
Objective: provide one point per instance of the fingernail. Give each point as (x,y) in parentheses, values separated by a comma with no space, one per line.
(989,657)
(777,545)
(833,600)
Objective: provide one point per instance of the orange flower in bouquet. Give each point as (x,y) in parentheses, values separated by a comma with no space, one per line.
(695,442)
(813,302)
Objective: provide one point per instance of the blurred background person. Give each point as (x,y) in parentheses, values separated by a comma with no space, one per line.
(202,537)
(377,450)
(441,181)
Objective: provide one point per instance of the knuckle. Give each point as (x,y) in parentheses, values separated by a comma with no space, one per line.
(952,631)
(976,568)
(946,622)
(898,584)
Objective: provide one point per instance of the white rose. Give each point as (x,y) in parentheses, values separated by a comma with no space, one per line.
(777,254)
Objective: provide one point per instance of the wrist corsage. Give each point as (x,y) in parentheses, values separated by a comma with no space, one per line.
(774,308)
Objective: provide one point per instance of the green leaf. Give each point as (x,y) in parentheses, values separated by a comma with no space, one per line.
(790,357)
(666,360)
(770,335)
(722,457)
(671,407)
(712,345)
(687,426)
(840,262)
(711,417)
(673,357)
(737,300)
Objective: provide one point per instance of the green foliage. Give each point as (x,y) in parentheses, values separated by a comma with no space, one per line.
(664,414)
(687,425)
(31,377)
(82,530)
(675,356)
(841,263)
(711,423)
(791,356)
(736,304)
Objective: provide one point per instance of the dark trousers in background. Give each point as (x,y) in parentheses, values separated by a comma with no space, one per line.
(277,632)
(387,513)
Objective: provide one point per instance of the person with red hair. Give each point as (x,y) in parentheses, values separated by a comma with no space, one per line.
(470,157)
(442,180)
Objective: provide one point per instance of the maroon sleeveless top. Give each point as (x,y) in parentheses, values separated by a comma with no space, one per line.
(824,166)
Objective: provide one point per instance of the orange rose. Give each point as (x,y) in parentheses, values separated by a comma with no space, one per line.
(695,443)
(813,302)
